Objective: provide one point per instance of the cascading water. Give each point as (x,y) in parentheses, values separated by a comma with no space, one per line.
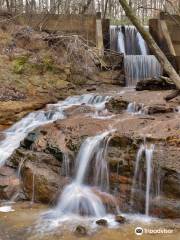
(147,152)
(65,165)
(138,64)
(142,45)
(127,40)
(15,134)
(137,108)
(140,67)
(121,43)
(149,155)
(78,198)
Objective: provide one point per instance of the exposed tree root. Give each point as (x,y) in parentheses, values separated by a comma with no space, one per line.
(172,95)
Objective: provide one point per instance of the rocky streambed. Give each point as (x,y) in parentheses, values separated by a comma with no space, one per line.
(23,222)
(36,171)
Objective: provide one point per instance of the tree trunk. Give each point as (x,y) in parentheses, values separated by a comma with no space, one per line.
(105,10)
(86,6)
(173,75)
(8,5)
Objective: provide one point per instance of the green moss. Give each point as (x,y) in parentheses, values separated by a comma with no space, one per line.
(19,64)
(47,64)
(22,65)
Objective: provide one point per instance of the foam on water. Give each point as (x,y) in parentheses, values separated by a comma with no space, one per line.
(6,209)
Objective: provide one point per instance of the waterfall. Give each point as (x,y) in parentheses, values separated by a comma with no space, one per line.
(149,155)
(15,134)
(142,44)
(147,152)
(78,198)
(140,67)
(65,165)
(137,108)
(113,37)
(127,40)
(138,64)
(121,43)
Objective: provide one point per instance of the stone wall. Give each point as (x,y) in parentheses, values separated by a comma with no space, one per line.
(83,25)
(173,24)
(166,32)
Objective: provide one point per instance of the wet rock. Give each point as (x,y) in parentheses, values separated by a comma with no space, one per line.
(154,84)
(102,222)
(120,219)
(2,136)
(46,171)
(76,110)
(9,183)
(30,139)
(157,108)
(120,141)
(80,230)
(55,151)
(42,158)
(90,89)
(116,105)
(170,187)
(6,171)
(165,207)
(12,111)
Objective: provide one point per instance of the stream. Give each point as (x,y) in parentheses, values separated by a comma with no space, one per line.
(80,203)
(96,165)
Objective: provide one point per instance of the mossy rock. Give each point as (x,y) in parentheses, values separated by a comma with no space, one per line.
(19,64)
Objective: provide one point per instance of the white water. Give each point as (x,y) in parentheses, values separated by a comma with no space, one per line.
(137,63)
(113,38)
(6,209)
(137,108)
(127,40)
(141,67)
(65,165)
(149,156)
(146,151)
(121,43)
(142,44)
(15,134)
(78,198)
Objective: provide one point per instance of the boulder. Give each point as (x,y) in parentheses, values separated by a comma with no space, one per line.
(116,105)
(9,183)
(40,173)
(102,222)
(153,84)
(165,207)
(120,219)
(159,108)
(80,230)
